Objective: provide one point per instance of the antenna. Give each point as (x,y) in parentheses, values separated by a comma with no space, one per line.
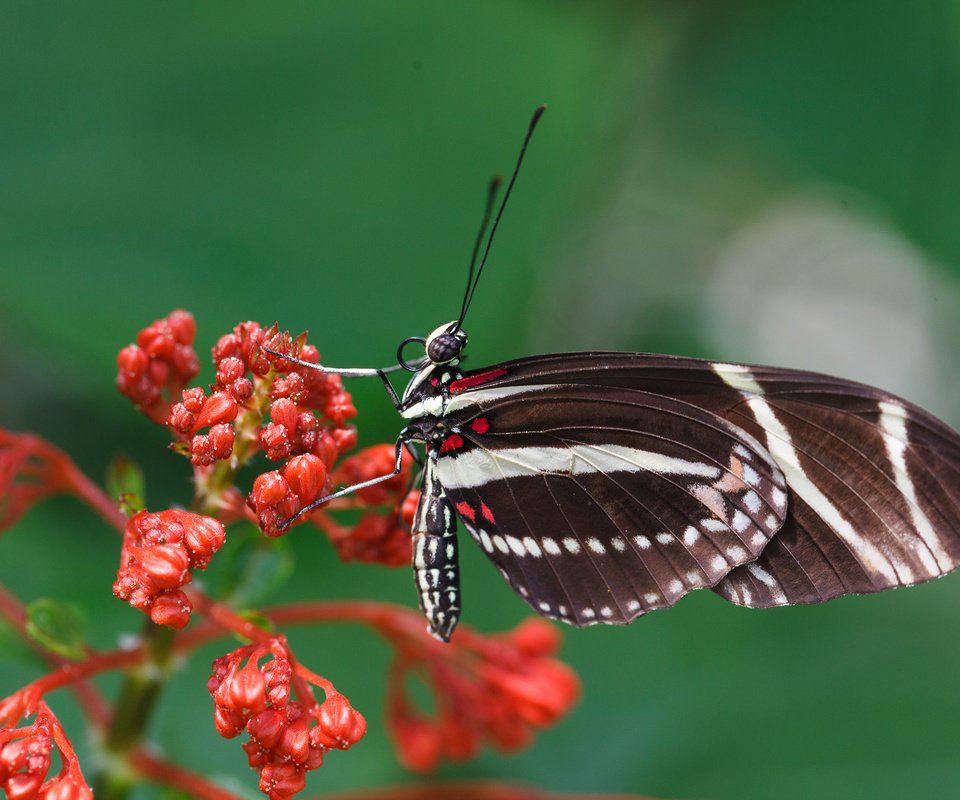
(473,280)
(492,190)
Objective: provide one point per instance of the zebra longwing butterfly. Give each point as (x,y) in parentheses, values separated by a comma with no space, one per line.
(606,485)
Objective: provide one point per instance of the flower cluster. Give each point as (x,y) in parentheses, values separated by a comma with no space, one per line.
(25,760)
(288,738)
(159,551)
(489,690)
(155,369)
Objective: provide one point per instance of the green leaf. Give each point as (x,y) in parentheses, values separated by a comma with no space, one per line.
(125,481)
(57,626)
(254,566)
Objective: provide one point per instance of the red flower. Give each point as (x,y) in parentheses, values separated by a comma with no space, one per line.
(159,552)
(287,739)
(155,369)
(487,691)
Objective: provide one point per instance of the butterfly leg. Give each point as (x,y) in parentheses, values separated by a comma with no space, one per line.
(435,555)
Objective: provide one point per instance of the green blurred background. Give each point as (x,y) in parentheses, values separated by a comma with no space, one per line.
(747,180)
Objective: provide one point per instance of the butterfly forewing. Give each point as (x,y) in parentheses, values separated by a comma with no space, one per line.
(872,483)
(600,503)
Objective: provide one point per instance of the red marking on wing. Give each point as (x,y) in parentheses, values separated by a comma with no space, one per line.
(475,380)
(480,425)
(452,442)
(433,381)
(465,511)
(487,513)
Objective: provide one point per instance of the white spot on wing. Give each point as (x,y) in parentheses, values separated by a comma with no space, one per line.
(618,544)
(777,494)
(642,542)
(501,545)
(690,536)
(633,605)
(572,545)
(665,538)
(606,611)
(596,545)
(485,541)
(532,547)
(752,501)
(516,545)
(737,553)
(740,521)
(550,546)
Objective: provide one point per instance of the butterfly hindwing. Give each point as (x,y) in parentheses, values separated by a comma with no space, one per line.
(875,485)
(598,504)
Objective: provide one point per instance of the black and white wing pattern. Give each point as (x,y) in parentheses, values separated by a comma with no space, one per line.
(604,485)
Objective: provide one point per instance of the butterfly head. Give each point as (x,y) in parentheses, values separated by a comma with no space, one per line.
(446,343)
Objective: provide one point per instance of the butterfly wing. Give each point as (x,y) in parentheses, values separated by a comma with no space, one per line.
(599,504)
(872,481)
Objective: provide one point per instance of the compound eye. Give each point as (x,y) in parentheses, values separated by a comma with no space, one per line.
(444,348)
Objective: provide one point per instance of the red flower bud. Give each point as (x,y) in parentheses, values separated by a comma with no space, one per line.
(67,789)
(166,565)
(228,722)
(284,412)
(171,609)
(535,637)
(418,744)
(339,724)
(229,370)
(326,448)
(222,437)
(242,389)
(280,781)
(306,475)
(346,438)
(267,727)
(219,407)
(291,385)
(295,741)
(340,408)
(244,691)
(180,419)
(268,489)
(182,325)
(193,399)
(132,361)
(275,441)
(24,785)
(204,536)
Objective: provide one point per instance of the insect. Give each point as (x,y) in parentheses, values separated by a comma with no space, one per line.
(605,485)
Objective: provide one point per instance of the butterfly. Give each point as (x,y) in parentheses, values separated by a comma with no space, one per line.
(605,485)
